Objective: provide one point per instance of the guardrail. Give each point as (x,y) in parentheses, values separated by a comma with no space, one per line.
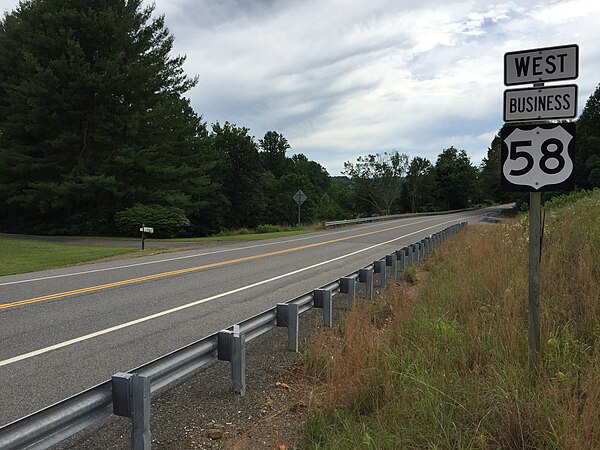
(334,223)
(128,393)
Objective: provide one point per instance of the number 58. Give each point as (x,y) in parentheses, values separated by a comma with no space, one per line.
(551,150)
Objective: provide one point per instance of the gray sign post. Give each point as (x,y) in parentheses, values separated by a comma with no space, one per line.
(299,197)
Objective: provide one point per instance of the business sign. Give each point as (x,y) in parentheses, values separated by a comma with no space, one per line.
(537,157)
(540,103)
(541,64)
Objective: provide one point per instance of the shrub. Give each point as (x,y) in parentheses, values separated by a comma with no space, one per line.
(167,221)
(267,228)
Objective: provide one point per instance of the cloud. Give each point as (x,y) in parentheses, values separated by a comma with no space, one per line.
(340,78)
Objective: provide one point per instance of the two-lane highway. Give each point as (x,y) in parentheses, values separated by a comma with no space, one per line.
(64,330)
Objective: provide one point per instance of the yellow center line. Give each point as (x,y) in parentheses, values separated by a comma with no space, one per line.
(194,269)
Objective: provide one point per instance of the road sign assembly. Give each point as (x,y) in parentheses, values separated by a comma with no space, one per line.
(539,157)
(299,197)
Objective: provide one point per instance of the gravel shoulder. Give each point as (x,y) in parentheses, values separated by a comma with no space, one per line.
(201,412)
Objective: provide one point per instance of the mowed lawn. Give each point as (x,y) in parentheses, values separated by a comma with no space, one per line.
(27,255)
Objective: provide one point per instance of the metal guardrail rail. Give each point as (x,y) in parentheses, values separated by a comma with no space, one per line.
(334,223)
(128,394)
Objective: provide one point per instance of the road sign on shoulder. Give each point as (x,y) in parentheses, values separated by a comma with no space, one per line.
(540,103)
(538,157)
(539,65)
(147,229)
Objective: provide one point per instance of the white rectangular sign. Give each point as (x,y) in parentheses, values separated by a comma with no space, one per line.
(543,103)
(147,230)
(539,65)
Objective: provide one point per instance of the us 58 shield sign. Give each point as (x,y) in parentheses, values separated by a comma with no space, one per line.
(538,157)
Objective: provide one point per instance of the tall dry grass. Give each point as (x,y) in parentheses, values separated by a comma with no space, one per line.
(445,364)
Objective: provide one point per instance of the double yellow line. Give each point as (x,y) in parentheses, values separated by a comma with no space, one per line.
(193,269)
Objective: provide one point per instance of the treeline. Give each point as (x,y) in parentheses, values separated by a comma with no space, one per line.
(97,137)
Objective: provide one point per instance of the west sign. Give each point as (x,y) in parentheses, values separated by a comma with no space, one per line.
(541,64)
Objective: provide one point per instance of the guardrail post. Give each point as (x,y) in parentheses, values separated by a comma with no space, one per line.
(402,257)
(348,286)
(238,361)
(322,299)
(411,254)
(392,261)
(231,346)
(366,276)
(131,398)
(379,267)
(287,316)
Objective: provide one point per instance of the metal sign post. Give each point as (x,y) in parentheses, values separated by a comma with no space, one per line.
(299,197)
(144,229)
(536,158)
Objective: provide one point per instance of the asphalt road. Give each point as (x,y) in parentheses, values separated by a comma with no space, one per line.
(64,330)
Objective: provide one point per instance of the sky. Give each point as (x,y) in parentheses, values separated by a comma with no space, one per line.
(344,78)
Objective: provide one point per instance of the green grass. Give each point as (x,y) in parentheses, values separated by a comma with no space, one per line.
(25,255)
(446,365)
(29,255)
(246,235)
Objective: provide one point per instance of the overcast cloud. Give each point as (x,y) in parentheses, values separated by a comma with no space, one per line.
(341,78)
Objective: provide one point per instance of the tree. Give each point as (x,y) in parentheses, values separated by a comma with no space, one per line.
(418,181)
(239,172)
(378,179)
(272,155)
(92,119)
(455,179)
(587,167)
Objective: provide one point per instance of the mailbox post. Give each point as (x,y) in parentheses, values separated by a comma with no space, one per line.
(144,229)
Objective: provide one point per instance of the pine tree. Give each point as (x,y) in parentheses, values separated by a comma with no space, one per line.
(92,118)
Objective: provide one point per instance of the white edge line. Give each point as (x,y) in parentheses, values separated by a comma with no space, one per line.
(198,302)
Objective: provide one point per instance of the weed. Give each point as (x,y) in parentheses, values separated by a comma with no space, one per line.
(410,274)
(444,364)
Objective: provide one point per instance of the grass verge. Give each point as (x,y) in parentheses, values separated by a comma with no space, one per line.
(25,255)
(243,237)
(245,234)
(443,362)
